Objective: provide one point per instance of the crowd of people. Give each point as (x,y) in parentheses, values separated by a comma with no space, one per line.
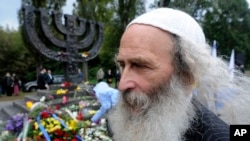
(45,78)
(10,84)
(108,77)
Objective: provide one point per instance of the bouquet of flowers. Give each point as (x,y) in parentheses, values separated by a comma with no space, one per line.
(51,127)
(48,124)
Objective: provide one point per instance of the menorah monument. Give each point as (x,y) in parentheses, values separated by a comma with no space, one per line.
(69,39)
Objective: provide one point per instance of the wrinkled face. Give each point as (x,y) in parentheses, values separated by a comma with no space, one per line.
(145,55)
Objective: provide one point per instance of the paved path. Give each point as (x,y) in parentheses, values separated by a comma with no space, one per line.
(4,103)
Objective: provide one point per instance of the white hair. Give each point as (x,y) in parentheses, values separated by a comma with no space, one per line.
(212,81)
(167,116)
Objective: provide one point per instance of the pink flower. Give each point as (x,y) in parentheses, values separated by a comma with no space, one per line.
(65,99)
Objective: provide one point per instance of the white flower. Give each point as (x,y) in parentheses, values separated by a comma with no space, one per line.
(42,99)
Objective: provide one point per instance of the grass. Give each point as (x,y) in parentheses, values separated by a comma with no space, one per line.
(21,95)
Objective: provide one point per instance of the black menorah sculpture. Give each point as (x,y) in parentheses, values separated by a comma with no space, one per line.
(78,34)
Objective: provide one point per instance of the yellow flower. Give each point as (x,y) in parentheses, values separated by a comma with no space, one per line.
(40,134)
(85,54)
(43,122)
(57,127)
(72,124)
(36,125)
(87,123)
(29,104)
(92,112)
(56,122)
(61,91)
(78,88)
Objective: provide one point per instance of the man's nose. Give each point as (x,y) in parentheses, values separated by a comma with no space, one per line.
(126,81)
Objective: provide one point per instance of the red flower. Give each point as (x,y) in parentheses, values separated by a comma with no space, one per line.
(39,138)
(74,139)
(79,116)
(65,84)
(58,107)
(59,132)
(73,132)
(44,114)
(65,135)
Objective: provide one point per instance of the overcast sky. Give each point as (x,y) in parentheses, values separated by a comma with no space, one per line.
(9,8)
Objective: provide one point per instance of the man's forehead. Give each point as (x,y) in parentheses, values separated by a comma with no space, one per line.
(137,58)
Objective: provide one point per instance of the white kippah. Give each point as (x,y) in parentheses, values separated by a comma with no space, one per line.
(173,21)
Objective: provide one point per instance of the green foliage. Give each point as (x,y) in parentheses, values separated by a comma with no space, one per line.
(92,74)
(115,15)
(124,11)
(14,57)
(227,22)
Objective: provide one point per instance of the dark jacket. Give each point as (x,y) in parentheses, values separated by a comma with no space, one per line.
(207,126)
(41,81)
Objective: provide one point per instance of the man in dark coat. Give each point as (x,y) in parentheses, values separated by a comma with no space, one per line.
(9,84)
(42,80)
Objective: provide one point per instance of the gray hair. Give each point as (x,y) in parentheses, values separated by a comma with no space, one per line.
(194,64)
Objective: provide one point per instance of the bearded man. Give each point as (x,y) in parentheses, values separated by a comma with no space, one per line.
(164,57)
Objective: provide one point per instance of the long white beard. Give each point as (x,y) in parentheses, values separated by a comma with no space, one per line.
(165,117)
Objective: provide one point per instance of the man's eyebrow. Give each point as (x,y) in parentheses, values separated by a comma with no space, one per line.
(140,60)
(137,60)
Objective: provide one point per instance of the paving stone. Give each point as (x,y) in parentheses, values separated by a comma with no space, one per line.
(21,106)
(10,110)
(43,92)
(34,98)
(3,116)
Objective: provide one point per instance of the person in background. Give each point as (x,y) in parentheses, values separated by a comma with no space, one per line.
(108,98)
(80,76)
(109,77)
(3,82)
(100,75)
(17,85)
(164,56)
(9,84)
(117,77)
(50,77)
(42,83)
(242,68)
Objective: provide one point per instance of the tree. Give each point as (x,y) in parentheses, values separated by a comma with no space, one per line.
(228,22)
(124,12)
(115,14)
(13,54)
